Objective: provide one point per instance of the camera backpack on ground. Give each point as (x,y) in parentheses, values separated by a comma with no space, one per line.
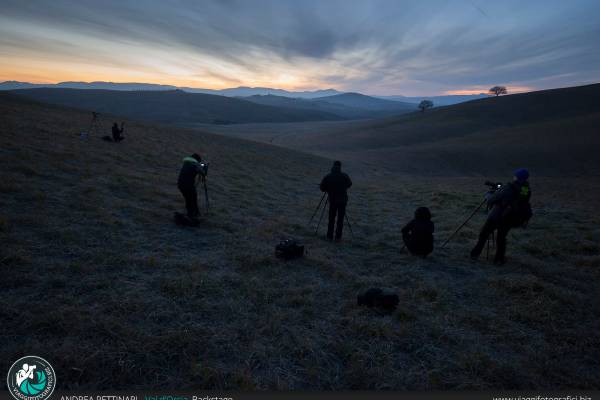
(288,249)
(378,298)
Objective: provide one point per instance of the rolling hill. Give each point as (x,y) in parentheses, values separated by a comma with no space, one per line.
(438,101)
(361,101)
(350,106)
(174,106)
(131,301)
(263,91)
(555,132)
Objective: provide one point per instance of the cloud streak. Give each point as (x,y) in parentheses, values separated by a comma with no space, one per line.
(384,47)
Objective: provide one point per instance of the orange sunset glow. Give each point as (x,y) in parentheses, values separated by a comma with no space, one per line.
(214,46)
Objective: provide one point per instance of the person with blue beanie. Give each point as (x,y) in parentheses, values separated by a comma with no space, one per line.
(522,174)
(509,208)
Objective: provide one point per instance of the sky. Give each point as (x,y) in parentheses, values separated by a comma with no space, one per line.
(396,47)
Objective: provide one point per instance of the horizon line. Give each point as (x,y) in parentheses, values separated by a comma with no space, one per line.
(477,90)
(464,92)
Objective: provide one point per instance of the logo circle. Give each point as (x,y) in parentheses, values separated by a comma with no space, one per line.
(31,378)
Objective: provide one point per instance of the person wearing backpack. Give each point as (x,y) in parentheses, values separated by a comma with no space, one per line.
(509,208)
(418,233)
(186,182)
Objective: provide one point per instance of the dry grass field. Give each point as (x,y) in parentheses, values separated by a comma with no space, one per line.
(98,280)
(553,132)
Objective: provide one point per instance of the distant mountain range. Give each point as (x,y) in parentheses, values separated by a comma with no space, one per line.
(241,91)
(261,91)
(231,92)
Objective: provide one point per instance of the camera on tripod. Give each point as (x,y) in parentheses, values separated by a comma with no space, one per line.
(203,167)
(493,185)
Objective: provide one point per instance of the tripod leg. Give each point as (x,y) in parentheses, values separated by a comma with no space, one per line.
(206,194)
(322,213)
(349,225)
(464,223)
(491,243)
(317,209)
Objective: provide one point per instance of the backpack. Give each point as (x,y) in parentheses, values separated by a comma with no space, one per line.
(289,249)
(378,298)
(520,207)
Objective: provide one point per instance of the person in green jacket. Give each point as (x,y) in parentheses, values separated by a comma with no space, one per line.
(186,183)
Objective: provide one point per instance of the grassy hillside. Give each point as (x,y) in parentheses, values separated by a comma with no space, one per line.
(554,132)
(173,106)
(357,100)
(99,281)
(438,101)
(346,106)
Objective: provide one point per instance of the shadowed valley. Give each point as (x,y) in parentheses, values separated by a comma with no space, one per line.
(554,132)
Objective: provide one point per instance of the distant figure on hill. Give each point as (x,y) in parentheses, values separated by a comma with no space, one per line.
(418,233)
(117,134)
(508,208)
(336,184)
(187,183)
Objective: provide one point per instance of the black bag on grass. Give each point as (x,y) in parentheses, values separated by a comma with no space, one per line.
(288,249)
(379,298)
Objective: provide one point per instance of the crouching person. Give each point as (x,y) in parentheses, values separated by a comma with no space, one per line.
(117,133)
(418,233)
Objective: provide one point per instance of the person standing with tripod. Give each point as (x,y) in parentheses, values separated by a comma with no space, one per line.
(192,167)
(509,208)
(336,185)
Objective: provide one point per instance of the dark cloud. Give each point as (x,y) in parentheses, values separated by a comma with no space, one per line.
(390,45)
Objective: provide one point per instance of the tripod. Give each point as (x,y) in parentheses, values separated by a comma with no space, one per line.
(317,209)
(203,180)
(492,239)
(94,124)
(323,213)
(464,223)
(349,225)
